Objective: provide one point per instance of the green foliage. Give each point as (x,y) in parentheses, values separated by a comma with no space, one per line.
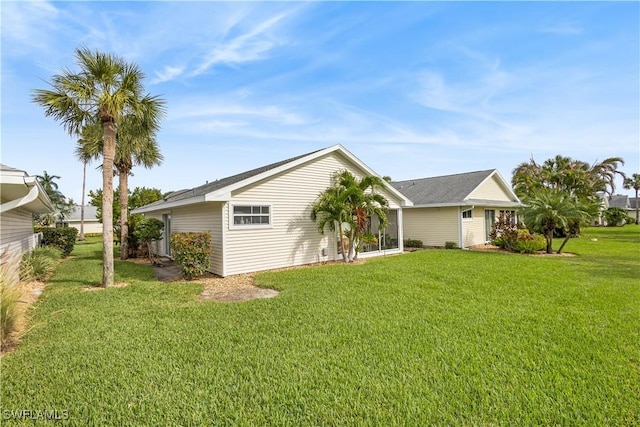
(39,263)
(62,206)
(504,232)
(527,243)
(10,297)
(412,243)
(145,231)
(191,252)
(346,206)
(450,245)
(548,210)
(63,238)
(615,217)
(140,196)
(630,220)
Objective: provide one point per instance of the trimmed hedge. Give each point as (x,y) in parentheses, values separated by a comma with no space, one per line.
(191,252)
(63,238)
(412,243)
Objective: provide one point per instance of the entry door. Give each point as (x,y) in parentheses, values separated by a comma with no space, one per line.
(489,219)
(166,218)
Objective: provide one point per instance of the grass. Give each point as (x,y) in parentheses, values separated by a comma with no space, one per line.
(428,338)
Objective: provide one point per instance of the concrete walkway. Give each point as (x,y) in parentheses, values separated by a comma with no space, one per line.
(167,270)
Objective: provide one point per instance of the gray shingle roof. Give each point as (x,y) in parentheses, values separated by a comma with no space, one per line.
(90,213)
(448,189)
(221,183)
(619,201)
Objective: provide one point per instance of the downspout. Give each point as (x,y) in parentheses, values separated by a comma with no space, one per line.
(460,227)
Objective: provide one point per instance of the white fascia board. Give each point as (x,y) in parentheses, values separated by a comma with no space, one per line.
(169,205)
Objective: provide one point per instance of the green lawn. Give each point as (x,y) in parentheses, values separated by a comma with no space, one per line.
(437,337)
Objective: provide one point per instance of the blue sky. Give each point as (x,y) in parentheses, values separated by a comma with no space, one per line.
(414,89)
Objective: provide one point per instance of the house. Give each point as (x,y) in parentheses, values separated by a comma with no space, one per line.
(91,222)
(457,208)
(20,197)
(260,219)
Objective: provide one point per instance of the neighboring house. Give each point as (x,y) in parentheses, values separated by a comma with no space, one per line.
(20,197)
(91,222)
(260,219)
(457,208)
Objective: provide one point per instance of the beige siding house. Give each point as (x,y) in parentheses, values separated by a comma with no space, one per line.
(91,222)
(260,219)
(457,208)
(20,197)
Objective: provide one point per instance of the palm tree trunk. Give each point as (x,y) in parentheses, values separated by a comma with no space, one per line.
(564,242)
(637,209)
(108,155)
(352,244)
(341,237)
(84,182)
(549,237)
(123,182)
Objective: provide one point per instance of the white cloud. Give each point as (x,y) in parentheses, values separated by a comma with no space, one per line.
(169,73)
(250,46)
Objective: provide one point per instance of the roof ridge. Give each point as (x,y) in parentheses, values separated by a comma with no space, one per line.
(446,176)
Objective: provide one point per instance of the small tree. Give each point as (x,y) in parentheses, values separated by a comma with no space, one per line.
(147,231)
(547,210)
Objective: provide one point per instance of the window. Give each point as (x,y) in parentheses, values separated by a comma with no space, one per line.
(251,215)
(509,214)
(468,214)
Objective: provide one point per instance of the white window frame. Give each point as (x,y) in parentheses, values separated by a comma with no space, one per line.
(514,215)
(232,215)
(470,218)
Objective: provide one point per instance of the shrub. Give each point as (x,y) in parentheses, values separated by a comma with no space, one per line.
(146,231)
(615,217)
(630,220)
(450,245)
(191,252)
(63,238)
(504,232)
(10,297)
(527,243)
(413,243)
(39,263)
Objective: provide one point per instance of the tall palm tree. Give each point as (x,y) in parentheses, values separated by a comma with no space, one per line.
(634,182)
(108,88)
(137,146)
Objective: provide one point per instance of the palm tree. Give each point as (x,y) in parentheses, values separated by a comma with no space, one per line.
(136,147)
(550,209)
(330,211)
(351,202)
(58,199)
(108,88)
(634,182)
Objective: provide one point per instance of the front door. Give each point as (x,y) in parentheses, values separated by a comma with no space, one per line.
(489,219)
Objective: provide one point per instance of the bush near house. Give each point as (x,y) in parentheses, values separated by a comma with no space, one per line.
(64,238)
(450,245)
(412,243)
(615,217)
(191,252)
(39,263)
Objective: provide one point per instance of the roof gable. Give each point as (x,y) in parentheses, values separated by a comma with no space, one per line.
(451,190)
(220,190)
